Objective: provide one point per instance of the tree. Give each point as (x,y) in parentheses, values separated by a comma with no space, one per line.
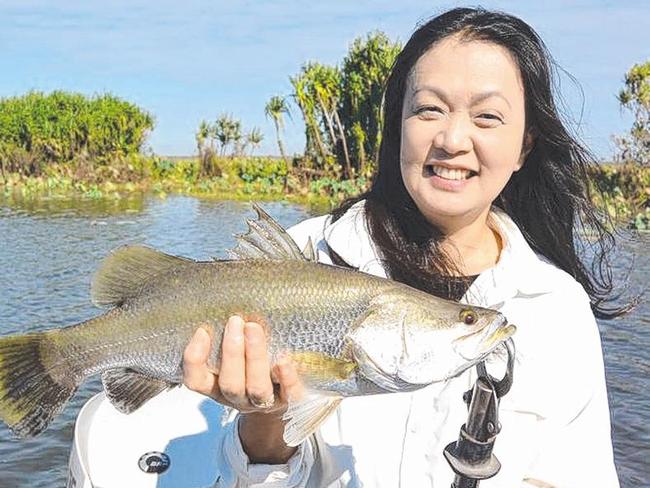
(202,135)
(205,137)
(253,138)
(323,85)
(635,146)
(275,108)
(307,107)
(227,131)
(365,71)
(341,108)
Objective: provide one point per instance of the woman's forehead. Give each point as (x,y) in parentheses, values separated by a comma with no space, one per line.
(477,67)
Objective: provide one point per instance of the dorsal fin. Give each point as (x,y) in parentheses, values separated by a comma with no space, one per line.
(266,239)
(309,251)
(124,271)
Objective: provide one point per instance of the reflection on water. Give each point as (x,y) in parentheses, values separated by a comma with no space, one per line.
(50,207)
(50,248)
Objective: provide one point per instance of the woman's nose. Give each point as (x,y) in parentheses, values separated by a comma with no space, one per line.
(454,136)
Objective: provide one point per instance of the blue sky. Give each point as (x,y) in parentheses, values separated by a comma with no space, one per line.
(189,60)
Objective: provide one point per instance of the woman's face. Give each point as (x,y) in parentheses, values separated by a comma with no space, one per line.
(463,124)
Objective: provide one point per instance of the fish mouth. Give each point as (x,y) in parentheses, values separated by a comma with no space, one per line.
(496,337)
(486,327)
(481,342)
(484,347)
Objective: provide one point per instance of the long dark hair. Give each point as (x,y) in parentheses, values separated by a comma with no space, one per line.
(549,198)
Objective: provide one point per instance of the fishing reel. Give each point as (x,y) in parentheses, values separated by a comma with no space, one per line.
(471,455)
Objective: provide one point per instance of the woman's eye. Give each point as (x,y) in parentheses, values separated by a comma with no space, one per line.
(490,119)
(428,110)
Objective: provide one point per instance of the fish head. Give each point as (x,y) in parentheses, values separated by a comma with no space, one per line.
(415,339)
(446,341)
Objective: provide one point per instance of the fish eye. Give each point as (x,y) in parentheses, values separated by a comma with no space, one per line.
(468,316)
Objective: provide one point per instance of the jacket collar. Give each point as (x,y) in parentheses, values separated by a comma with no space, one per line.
(519,271)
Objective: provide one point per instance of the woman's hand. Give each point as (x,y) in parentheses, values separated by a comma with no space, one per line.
(244,382)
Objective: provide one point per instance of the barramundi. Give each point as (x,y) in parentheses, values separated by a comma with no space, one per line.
(349,333)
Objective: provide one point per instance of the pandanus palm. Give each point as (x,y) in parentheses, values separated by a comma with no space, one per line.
(305,102)
(202,135)
(228,130)
(325,83)
(254,138)
(275,108)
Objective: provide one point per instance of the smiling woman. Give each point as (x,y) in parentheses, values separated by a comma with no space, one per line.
(480,188)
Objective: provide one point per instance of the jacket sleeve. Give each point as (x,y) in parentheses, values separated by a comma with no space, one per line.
(576,446)
(557,434)
(243,474)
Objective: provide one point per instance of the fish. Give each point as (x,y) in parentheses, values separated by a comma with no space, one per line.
(349,333)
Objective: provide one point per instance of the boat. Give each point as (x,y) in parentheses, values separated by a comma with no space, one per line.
(172,441)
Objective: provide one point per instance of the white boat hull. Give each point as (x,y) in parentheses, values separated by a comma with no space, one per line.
(170,442)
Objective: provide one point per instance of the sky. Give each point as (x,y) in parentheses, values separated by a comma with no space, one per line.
(185,61)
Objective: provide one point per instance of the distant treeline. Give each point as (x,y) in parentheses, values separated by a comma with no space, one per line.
(38,129)
(340,106)
(68,141)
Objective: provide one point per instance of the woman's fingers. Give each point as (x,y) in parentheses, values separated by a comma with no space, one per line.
(244,379)
(286,373)
(259,388)
(196,374)
(232,374)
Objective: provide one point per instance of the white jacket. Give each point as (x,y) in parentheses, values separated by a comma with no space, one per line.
(555,419)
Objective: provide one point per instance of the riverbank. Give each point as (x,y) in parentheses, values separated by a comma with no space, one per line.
(252,178)
(623,191)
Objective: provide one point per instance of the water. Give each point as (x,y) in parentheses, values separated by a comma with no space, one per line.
(50,248)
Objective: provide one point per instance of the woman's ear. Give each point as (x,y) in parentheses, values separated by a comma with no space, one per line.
(526,148)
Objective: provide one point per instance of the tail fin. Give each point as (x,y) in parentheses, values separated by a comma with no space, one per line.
(29,397)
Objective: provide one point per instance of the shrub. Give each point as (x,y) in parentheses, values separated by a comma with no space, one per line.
(62,127)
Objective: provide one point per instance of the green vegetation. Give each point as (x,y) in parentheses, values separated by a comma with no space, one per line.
(634,147)
(69,144)
(37,130)
(623,191)
(626,187)
(244,178)
(341,107)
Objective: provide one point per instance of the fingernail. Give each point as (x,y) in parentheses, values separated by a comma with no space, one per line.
(251,328)
(235,327)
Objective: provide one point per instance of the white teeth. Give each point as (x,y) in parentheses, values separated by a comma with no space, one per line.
(451,174)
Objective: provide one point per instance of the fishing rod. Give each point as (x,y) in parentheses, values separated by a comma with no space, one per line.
(471,455)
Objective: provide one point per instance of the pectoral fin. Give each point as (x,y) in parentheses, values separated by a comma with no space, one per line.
(306,415)
(128,390)
(321,367)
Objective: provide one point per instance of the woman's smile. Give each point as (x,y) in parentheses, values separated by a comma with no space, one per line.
(448,178)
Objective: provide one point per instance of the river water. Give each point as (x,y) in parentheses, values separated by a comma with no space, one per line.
(49,249)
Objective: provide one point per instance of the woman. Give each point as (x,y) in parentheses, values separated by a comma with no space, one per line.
(479,195)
